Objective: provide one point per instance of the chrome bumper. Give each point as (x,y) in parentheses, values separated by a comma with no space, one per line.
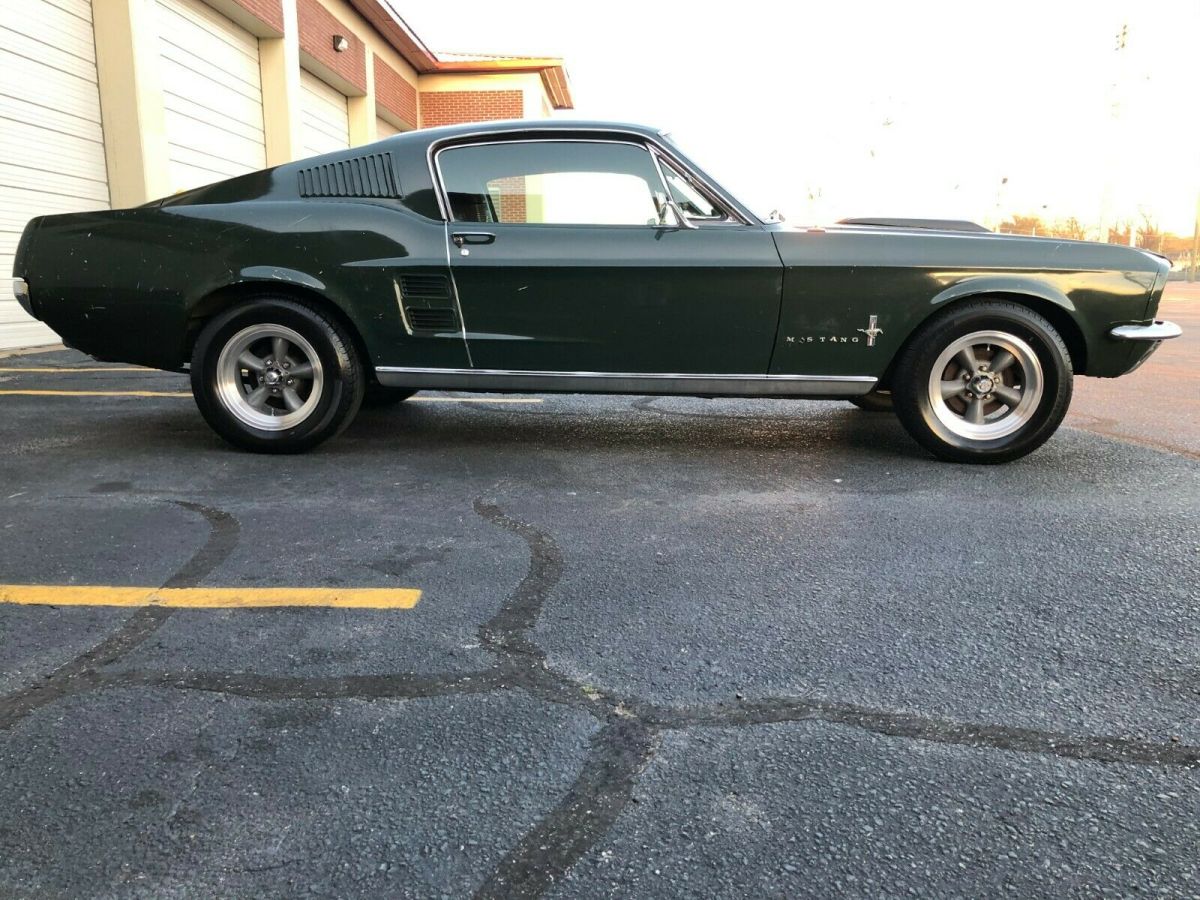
(21,292)
(1158,331)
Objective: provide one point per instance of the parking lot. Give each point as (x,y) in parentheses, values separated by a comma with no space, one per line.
(596,646)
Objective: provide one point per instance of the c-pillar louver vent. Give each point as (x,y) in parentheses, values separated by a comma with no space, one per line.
(362,176)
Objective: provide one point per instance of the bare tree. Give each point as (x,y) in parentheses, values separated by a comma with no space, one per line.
(1150,236)
(1070,228)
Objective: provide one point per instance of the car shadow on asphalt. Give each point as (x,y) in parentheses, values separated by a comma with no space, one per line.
(830,430)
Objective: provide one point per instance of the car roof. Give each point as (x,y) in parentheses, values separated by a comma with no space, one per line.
(521,126)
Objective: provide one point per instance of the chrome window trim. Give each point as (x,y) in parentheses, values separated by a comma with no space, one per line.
(725,219)
(498,136)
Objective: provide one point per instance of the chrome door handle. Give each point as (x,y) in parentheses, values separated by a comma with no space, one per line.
(472,237)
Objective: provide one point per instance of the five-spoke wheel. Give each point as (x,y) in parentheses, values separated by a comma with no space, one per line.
(276,374)
(986,381)
(985,385)
(269,377)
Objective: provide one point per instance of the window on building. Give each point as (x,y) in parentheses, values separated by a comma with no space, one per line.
(552,183)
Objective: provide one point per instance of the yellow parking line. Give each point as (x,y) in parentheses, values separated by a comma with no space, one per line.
(31,393)
(208,598)
(81,369)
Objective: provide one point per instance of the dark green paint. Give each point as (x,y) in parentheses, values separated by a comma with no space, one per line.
(639,300)
(135,285)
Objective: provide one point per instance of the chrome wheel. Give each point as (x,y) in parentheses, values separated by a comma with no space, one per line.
(984,386)
(269,377)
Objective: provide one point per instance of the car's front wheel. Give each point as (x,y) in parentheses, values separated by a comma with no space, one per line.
(276,375)
(986,382)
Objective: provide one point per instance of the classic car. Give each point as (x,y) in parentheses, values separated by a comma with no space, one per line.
(578,257)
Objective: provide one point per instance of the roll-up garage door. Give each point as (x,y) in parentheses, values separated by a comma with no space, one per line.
(324,120)
(51,145)
(212,93)
(384,128)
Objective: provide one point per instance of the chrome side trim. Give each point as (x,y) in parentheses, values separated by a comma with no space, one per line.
(1159,331)
(403,315)
(627,382)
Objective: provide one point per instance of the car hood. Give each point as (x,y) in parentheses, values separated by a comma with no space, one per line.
(922,246)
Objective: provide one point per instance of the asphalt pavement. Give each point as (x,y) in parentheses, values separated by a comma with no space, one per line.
(663,647)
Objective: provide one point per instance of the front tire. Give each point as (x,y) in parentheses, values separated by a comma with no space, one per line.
(276,375)
(985,382)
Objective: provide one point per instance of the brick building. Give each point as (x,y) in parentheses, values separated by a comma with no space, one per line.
(111,103)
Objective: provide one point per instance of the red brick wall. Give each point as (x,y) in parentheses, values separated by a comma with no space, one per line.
(512,200)
(317,28)
(395,94)
(452,107)
(269,12)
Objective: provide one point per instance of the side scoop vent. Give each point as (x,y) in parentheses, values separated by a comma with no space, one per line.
(423,319)
(425,287)
(361,176)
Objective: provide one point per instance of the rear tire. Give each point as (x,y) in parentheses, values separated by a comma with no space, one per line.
(276,375)
(985,382)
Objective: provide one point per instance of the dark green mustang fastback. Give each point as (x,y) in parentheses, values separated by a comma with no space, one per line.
(579,257)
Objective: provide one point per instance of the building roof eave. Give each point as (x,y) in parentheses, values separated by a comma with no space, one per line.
(384,18)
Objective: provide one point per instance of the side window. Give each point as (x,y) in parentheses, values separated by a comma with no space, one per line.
(552,183)
(689,198)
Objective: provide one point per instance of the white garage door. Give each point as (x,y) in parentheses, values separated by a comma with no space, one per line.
(212,93)
(51,145)
(324,121)
(384,128)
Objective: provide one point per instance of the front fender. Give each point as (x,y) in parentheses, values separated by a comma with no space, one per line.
(1003,284)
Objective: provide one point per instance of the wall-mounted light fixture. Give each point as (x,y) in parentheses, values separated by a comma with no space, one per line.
(340,44)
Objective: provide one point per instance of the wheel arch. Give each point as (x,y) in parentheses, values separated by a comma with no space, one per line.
(1059,314)
(228,296)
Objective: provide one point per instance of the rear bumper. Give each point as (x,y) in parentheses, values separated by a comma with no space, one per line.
(21,291)
(1156,331)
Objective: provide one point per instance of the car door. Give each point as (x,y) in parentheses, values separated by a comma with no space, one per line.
(571,256)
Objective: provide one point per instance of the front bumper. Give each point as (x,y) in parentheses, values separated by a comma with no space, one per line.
(1158,330)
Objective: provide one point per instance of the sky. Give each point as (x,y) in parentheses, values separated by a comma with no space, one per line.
(924,108)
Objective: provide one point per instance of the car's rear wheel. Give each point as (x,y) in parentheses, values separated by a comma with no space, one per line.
(876,401)
(276,375)
(986,382)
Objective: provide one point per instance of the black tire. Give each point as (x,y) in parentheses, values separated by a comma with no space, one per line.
(876,401)
(379,396)
(1040,385)
(334,392)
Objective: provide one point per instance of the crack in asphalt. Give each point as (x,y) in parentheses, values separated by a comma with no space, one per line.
(621,748)
(768,711)
(83,672)
(619,752)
